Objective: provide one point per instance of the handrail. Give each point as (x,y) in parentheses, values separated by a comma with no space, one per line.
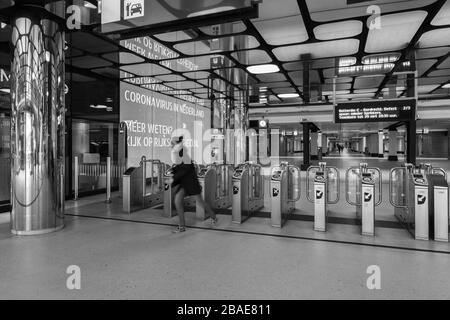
(308,184)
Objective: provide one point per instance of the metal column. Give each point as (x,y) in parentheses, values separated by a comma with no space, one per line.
(37,123)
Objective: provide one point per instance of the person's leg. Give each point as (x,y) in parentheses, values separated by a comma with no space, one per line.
(179,205)
(206,207)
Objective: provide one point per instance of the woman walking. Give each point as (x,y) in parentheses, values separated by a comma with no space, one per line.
(185,183)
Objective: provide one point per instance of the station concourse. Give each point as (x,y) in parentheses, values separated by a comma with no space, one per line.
(318,132)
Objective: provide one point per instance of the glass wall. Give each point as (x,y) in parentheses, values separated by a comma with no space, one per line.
(92,143)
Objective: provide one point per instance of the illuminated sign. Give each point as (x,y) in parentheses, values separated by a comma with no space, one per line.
(4,78)
(375,111)
(124,15)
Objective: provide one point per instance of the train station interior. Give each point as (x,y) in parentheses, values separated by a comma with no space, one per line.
(318,131)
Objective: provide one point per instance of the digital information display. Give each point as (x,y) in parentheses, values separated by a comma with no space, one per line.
(153,118)
(375,111)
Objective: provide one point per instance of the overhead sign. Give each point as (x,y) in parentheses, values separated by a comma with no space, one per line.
(376,111)
(124,15)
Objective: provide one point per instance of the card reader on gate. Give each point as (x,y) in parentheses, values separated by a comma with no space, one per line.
(367,178)
(320,177)
(420,180)
(237,173)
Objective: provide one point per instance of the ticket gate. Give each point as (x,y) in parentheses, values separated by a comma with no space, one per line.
(248,191)
(408,194)
(224,185)
(438,202)
(363,189)
(285,190)
(143,185)
(325,191)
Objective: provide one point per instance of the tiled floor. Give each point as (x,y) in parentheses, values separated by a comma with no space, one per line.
(141,258)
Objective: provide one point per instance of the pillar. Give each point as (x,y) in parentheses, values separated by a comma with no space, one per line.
(411,142)
(306,154)
(37,123)
(364,145)
(380,144)
(393,145)
(314,146)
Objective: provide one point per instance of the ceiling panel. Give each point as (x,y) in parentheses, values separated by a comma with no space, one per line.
(368,82)
(273,10)
(251,57)
(395,33)
(431,53)
(272,77)
(424,65)
(445,64)
(318,50)
(283,31)
(440,73)
(89,62)
(338,30)
(327,10)
(443,17)
(435,38)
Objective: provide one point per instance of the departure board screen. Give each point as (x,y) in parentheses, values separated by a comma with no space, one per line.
(376,111)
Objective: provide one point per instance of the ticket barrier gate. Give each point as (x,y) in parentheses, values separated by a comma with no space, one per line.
(224,184)
(363,189)
(419,196)
(143,185)
(207,179)
(285,190)
(438,202)
(325,191)
(248,191)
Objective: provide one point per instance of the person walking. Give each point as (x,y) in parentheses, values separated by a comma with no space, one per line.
(185,183)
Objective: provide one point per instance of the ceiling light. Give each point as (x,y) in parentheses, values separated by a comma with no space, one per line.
(288,95)
(98,106)
(264,68)
(5,90)
(446,86)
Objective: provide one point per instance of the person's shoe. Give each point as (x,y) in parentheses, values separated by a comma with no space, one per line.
(179,229)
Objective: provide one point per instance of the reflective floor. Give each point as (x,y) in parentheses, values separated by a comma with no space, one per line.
(136,256)
(126,260)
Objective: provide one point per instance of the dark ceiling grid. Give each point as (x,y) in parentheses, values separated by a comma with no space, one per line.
(432,10)
(268,48)
(309,25)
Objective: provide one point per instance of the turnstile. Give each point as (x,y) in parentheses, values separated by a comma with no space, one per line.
(143,185)
(285,191)
(325,191)
(363,189)
(224,178)
(248,191)
(409,194)
(438,202)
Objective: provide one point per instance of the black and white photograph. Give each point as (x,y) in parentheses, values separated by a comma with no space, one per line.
(222,157)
